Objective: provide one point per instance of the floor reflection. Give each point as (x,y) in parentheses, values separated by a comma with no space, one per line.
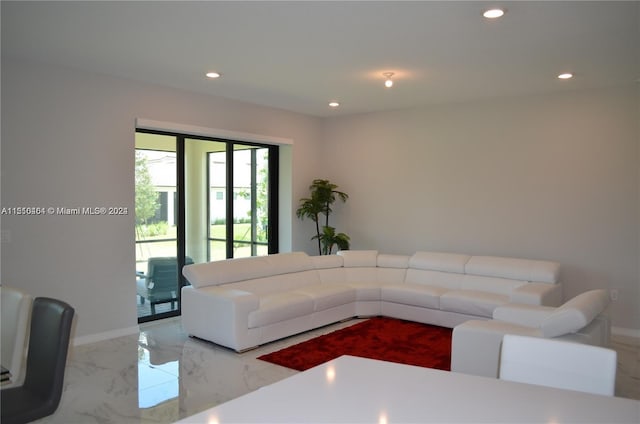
(158,373)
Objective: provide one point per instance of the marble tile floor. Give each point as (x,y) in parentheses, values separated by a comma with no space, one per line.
(161,375)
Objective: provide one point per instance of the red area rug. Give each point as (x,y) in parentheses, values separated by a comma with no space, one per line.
(387,339)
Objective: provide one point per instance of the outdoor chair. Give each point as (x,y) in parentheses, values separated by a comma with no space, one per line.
(160,284)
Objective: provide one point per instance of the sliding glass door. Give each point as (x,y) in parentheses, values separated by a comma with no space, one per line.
(198,200)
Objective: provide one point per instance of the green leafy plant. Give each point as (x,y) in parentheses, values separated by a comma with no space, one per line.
(323,196)
(146,201)
(329,238)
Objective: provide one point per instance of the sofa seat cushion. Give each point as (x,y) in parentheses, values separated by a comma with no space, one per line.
(472,302)
(280,307)
(326,296)
(367,291)
(413,294)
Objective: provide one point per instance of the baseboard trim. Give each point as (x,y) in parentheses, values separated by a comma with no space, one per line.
(92,338)
(628,332)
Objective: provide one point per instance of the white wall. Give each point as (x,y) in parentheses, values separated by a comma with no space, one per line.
(548,177)
(68,141)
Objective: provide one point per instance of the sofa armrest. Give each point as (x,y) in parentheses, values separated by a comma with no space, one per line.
(527,315)
(476,344)
(538,294)
(219,314)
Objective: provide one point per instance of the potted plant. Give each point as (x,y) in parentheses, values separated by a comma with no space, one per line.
(323,196)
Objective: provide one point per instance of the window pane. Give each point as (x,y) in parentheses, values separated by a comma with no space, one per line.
(217,188)
(263,250)
(242,195)
(262,196)
(204,177)
(155,225)
(250,207)
(242,250)
(218,250)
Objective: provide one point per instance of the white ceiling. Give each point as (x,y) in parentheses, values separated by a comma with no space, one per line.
(300,55)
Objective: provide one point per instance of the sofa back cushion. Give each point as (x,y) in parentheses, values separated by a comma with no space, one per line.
(329,268)
(437,269)
(362,274)
(392,269)
(491,284)
(391,275)
(359,265)
(326,261)
(240,269)
(386,260)
(447,280)
(491,274)
(277,283)
(575,313)
(513,268)
(359,258)
(438,261)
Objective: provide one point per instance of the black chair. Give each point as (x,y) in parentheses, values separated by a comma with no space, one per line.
(40,394)
(160,284)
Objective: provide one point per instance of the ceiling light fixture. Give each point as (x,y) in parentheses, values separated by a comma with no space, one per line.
(388,82)
(565,76)
(334,104)
(213,75)
(493,13)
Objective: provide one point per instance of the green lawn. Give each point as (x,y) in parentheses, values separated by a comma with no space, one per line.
(242,232)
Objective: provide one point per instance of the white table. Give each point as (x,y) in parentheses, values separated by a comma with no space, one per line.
(357,390)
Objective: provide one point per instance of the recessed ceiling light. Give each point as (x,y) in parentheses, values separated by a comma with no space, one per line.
(388,82)
(493,13)
(565,76)
(213,75)
(334,104)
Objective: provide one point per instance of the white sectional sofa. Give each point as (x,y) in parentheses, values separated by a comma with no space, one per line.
(243,303)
